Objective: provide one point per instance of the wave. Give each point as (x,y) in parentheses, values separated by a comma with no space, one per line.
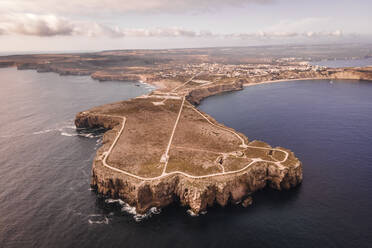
(28,134)
(150,213)
(86,135)
(44,131)
(68,131)
(125,207)
(65,125)
(121,202)
(147,86)
(91,135)
(69,134)
(193,214)
(98,219)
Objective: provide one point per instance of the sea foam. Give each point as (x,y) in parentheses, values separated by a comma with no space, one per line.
(125,207)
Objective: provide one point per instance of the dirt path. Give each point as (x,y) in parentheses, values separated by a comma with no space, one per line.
(106,154)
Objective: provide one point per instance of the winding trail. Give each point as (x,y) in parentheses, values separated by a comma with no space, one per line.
(164,174)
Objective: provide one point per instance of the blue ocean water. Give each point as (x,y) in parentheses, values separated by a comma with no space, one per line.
(328,126)
(45,164)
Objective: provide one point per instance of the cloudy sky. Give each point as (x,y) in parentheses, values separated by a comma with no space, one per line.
(55,25)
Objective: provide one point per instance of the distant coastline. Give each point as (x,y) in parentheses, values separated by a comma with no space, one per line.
(283,80)
(339,63)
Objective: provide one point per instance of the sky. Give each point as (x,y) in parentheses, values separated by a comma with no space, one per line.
(70,25)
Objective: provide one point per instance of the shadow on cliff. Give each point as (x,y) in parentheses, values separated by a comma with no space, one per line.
(264,201)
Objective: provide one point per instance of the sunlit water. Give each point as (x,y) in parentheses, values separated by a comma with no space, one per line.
(45,199)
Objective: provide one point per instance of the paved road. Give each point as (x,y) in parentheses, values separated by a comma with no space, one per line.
(165,155)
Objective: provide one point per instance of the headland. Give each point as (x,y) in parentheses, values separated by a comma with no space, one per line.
(159,148)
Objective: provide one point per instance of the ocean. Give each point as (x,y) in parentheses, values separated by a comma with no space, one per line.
(45,166)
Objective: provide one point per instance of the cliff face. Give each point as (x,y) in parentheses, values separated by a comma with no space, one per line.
(4,64)
(45,67)
(107,76)
(195,193)
(351,73)
(196,95)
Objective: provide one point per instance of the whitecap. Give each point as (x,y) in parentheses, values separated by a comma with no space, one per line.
(125,207)
(95,215)
(33,133)
(121,202)
(86,135)
(129,209)
(193,214)
(44,131)
(151,212)
(68,134)
(71,127)
(104,221)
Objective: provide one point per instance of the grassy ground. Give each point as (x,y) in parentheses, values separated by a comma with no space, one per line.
(233,163)
(195,147)
(192,162)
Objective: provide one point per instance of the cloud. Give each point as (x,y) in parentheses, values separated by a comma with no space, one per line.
(51,25)
(45,25)
(337,33)
(119,6)
(298,25)
(98,30)
(285,35)
(157,32)
(262,35)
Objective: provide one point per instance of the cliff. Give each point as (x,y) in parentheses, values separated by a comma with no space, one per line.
(114,76)
(197,189)
(4,64)
(194,193)
(351,73)
(196,95)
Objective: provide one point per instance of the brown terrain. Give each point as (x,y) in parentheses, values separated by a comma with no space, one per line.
(159,148)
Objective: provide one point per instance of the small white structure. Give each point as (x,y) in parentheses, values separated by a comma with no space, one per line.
(164,158)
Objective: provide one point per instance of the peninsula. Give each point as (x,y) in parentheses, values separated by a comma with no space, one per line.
(159,148)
